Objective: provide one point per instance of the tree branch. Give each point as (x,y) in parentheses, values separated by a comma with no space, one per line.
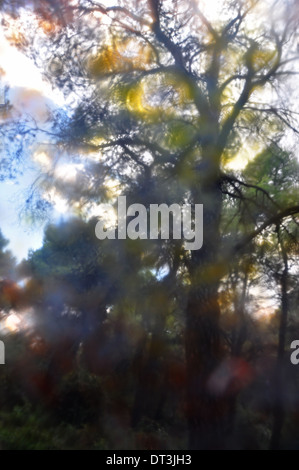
(274,220)
(233,179)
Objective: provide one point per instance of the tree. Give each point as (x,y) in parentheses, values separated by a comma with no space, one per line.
(277,173)
(9,291)
(163,99)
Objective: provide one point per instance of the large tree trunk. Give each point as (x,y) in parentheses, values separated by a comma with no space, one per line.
(206,409)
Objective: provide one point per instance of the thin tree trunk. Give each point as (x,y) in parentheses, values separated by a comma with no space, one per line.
(239,337)
(279,410)
(241,328)
(150,386)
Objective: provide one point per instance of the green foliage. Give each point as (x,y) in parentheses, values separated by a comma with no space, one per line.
(277,172)
(80,399)
(29,427)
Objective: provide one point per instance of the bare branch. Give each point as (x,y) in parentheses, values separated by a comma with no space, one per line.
(274,220)
(277,113)
(233,179)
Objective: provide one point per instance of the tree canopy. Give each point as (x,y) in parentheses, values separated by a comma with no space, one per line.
(165,103)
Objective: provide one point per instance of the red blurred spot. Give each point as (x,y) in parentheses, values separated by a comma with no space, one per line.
(230,377)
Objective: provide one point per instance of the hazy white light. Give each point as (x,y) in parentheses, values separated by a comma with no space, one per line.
(113,186)
(264,313)
(43,159)
(68,172)
(12,323)
(21,72)
(60,204)
(210,8)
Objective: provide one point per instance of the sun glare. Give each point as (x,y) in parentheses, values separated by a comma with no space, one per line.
(210,8)
(68,172)
(60,204)
(43,159)
(17,321)
(12,323)
(264,313)
(20,72)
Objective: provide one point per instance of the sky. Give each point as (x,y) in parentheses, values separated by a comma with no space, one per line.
(27,93)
